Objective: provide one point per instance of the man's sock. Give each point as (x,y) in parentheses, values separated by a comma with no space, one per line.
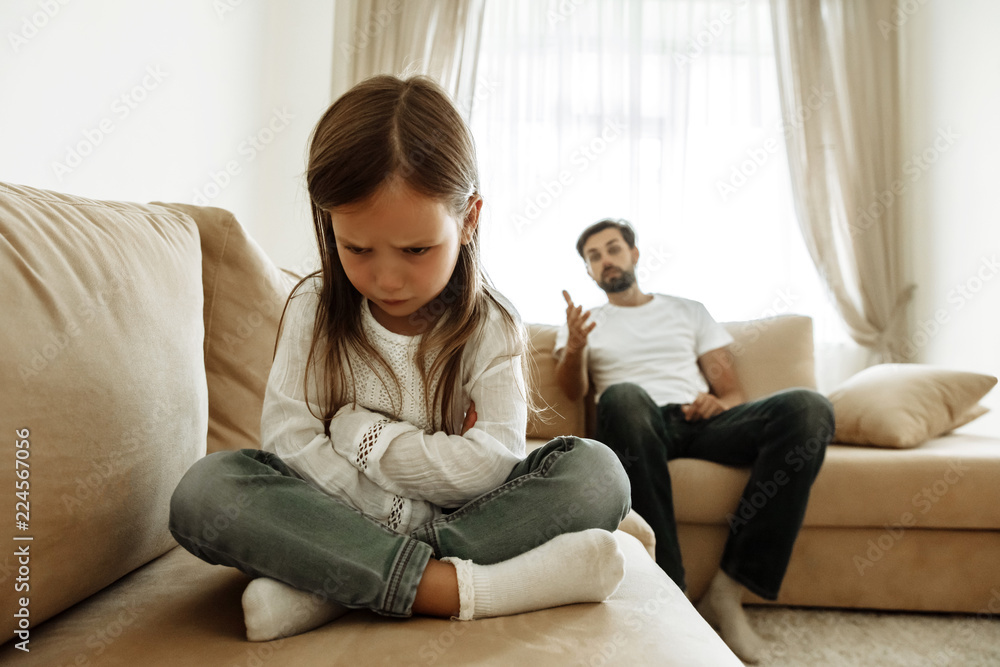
(722,607)
(273,609)
(585,566)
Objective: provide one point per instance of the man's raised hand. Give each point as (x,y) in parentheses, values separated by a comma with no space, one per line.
(576,322)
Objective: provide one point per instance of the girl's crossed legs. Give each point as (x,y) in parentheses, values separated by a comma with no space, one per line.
(248,510)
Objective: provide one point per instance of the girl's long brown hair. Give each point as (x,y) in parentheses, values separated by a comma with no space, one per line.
(386,128)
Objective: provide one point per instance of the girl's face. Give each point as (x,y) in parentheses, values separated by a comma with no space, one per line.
(399,249)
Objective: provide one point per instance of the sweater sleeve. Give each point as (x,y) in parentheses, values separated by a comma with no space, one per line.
(446,470)
(292,431)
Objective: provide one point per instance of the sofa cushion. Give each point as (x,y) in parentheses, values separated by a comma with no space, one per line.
(769,355)
(245,295)
(948,482)
(179,610)
(104,375)
(903,405)
(773,353)
(558,415)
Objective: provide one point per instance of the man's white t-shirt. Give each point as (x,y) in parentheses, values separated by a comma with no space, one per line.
(655,345)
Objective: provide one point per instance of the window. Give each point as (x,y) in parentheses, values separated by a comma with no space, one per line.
(663,112)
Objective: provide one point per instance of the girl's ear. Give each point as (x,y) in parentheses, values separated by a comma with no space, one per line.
(471,219)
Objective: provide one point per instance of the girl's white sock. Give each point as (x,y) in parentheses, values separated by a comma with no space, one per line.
(574,567)
(273,609)
(586,566)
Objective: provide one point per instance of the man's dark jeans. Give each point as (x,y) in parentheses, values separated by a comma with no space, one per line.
(782,438)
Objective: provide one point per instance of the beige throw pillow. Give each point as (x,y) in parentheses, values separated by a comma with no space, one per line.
(104,385)
(245,295)
(903,405)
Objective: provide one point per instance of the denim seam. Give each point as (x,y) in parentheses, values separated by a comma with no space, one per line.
(546,465)
(435,545)
(395,579)
(504,488)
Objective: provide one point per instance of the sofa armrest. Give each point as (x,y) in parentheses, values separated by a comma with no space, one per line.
(636,526)
(559,415)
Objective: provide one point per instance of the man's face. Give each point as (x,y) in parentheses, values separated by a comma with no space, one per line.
(610,262)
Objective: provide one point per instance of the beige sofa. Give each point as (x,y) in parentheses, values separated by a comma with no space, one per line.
(135,339)
(886,528)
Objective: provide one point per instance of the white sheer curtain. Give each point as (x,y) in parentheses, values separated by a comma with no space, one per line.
(663,112)
(439,38)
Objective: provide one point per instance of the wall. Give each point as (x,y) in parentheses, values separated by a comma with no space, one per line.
(951,102)
(197,101)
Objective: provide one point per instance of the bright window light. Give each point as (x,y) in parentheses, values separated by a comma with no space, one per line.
(616,109)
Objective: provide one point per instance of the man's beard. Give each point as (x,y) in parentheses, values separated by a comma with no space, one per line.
(619,283)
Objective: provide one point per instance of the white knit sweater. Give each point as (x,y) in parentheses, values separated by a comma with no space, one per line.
(383,461)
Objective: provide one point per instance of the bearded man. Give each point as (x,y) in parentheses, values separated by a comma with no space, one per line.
(665,389)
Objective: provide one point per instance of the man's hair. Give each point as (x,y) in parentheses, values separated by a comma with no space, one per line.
(607,223)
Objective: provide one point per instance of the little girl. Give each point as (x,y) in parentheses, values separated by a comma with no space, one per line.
(392,474)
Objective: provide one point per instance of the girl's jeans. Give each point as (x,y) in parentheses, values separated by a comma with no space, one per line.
(782,439)
(248,510)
